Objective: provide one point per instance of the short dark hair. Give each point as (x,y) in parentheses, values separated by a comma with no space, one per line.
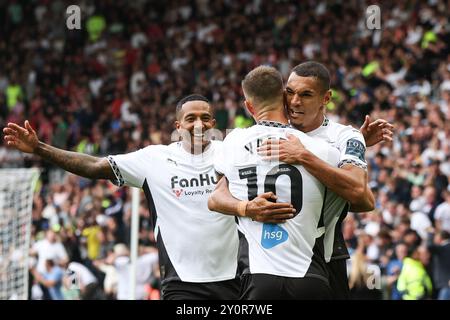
(316,70)
(191,97)
(411,249)
(264,84)
(416,234)
(444,235)
(50,262)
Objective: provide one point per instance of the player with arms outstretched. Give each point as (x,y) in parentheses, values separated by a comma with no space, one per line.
(197,247)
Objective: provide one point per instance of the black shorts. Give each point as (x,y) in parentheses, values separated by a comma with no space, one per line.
(220,290)
(271,287)
(337,270)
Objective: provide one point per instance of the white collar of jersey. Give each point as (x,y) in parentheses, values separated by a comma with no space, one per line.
(324,124)
(207,150)
(275,124)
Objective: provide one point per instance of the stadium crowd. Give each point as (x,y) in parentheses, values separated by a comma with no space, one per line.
(112,86)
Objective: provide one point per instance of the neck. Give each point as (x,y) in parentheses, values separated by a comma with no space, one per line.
(272,115)
(195,148)
(313,126)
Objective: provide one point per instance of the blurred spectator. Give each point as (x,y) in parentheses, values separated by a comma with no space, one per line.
(51,279)
(110,281)
(419,223)
(348,230)
(440,250)
(146,271)
(442,214)
(87,284)
(92,233)
(49,248)
(364,277)
(393,269)
(414,283)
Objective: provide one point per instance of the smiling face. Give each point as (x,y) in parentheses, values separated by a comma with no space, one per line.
(195,118)
(305,99)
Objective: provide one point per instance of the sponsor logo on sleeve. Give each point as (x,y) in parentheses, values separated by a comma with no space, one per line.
(355,148)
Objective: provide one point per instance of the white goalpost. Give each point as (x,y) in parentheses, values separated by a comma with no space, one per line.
(16,200)
(134,245)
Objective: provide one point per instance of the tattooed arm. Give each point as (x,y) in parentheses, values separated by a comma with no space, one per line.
(26,140)
(78,163)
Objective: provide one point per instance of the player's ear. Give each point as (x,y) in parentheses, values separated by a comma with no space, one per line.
(177,124)
(213,122)
(327,97)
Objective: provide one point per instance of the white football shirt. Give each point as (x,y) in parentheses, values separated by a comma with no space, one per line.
(352,146)
(294,248)
(195,244)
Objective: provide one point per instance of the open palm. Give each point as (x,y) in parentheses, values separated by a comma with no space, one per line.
(22,138)
(376,131)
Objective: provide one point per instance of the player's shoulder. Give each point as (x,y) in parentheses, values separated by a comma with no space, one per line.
(306,139)
(216,146)
(343,133)
(339,127)
(158,146)
(233,134)
(297,133)
(216,143)
(152,150)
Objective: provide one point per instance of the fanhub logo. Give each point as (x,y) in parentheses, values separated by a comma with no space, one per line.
(201,181)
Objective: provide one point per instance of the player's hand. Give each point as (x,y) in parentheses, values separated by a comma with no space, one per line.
(288,151)
(376,131)
(22,138)
(262,210)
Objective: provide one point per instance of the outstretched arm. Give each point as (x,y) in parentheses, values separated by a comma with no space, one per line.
(25,139)
(259,209)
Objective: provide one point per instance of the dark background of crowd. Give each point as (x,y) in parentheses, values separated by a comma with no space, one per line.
(112,87)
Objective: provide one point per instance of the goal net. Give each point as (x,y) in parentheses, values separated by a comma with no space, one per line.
(16,200)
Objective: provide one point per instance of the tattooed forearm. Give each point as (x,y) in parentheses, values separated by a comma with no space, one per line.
(78,163)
